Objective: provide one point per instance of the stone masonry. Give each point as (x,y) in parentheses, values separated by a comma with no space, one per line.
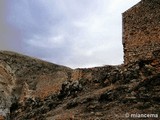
(141,31)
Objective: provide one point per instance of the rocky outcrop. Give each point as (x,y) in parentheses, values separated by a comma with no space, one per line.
(23,77)
(7,87)
(32,89)
(107,93)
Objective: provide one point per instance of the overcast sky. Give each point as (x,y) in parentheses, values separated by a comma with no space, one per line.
(74,33)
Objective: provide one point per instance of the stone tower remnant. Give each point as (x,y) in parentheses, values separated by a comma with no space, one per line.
(141,31)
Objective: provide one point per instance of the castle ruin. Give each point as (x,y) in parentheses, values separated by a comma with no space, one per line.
(141,31)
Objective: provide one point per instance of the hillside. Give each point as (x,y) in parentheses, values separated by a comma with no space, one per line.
(32,89)
(23,77)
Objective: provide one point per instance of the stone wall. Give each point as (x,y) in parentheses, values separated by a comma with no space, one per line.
(141,30)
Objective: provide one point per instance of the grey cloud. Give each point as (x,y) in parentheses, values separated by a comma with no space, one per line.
(9,37)
(73,33)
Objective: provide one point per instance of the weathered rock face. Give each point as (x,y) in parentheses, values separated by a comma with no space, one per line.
(141,30)
(106,93)
(7,86)
(23,77)
(37,90)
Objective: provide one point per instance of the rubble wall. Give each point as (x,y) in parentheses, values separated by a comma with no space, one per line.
(141,30)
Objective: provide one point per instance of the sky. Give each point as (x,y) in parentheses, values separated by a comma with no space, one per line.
(73,33)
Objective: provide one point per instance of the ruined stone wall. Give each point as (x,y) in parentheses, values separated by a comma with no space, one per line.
(141,30)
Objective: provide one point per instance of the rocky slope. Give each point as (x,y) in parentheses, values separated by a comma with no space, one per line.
(23,77)
(32,89)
